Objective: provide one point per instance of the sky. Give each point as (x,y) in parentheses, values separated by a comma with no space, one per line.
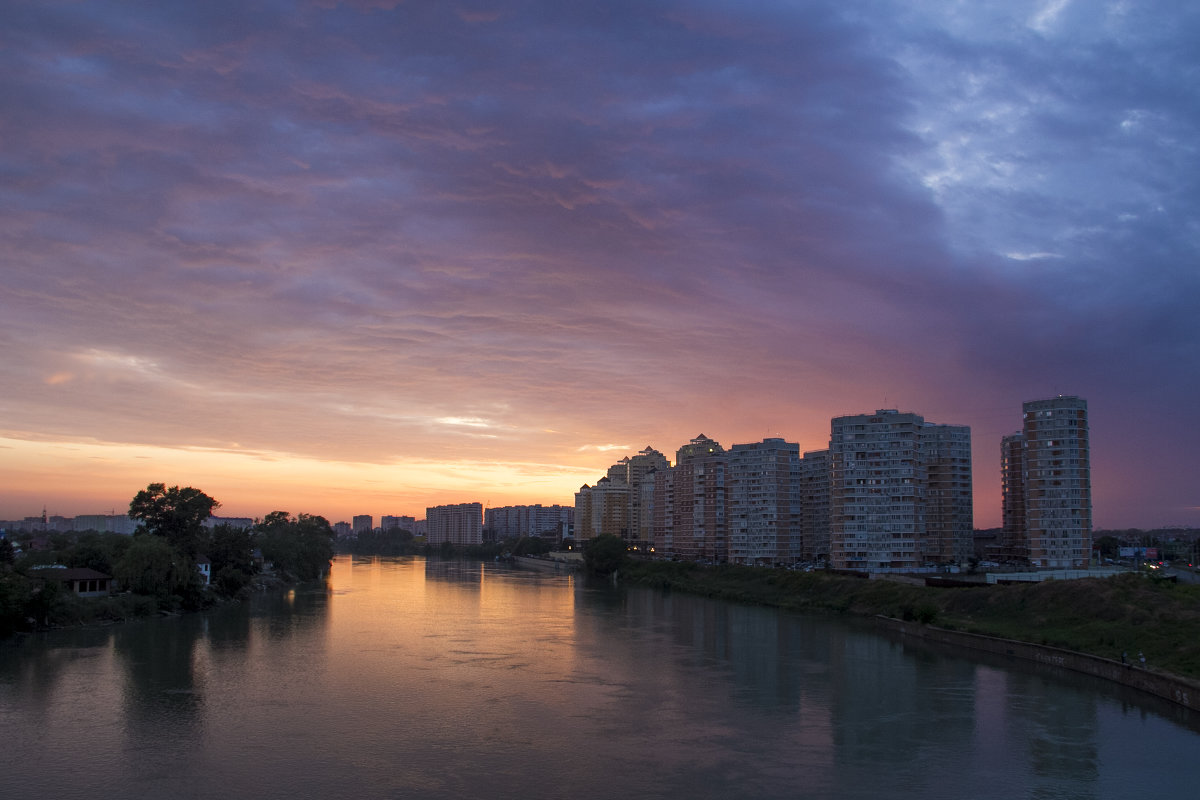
(372,256)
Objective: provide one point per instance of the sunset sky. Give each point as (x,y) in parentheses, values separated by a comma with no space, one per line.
(366,257)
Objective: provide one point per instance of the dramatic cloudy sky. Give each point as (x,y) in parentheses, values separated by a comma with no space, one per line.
(366,256)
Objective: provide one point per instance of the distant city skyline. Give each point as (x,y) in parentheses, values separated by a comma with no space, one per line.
(357,511)
(355,257)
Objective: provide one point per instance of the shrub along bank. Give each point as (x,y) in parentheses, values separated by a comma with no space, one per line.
(1108,617)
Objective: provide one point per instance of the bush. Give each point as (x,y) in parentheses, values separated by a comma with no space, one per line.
(231,580)
(604,555)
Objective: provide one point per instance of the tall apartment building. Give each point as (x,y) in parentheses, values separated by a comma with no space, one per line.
(690,503)
(1047,485)
(624,481)
(949,510)
(763,490)
(461,524)
(662,512)
(636,468)
(1013,546)
(363,522)
(814,505)
(880,494)
(643,533)
(602,509)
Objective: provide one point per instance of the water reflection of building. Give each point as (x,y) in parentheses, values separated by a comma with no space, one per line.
(709,655)
(1020,719)
(467,573)
(907,712)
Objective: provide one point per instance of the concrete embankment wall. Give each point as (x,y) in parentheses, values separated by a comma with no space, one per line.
(546,564)
(1178,690)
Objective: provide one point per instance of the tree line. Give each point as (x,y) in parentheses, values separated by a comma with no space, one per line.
(156,568)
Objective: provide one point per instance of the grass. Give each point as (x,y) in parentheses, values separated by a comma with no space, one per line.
(1100,616)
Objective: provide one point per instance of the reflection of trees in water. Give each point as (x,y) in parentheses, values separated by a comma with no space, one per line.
(910,713)
(299,611)
(229,630)
(160,677)
(34,665)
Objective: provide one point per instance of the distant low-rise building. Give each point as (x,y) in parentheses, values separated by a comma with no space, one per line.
(234,522)
(82,581)
(551,522)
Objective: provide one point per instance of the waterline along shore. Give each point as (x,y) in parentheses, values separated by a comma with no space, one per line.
(1116,619)
(1168,686)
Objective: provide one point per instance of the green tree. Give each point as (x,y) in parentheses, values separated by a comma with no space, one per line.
(151,566)
(1109,546)
(176,514)
(230,546)
(98,551)
(230,549)
(7,554)
(15,593)
(298,546)
(604,555)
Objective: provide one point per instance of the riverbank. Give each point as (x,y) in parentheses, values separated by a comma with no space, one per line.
(1109,618)
(68,611)
(1177,689)
(548,564)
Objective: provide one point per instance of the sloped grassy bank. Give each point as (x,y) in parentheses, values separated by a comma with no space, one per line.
(1100,616)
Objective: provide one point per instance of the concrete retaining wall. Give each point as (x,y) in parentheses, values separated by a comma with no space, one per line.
(547,565)
(1183,691)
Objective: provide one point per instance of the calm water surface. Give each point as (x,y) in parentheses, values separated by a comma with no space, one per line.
(410,678)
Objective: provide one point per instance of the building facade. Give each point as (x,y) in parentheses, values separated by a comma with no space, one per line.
(814,506)
(1048,485)
(460,524)
(512,522)
(763,490)
(637,468)
(602,509)
(885,515)
(949,507)
(690,503)
(1013,547)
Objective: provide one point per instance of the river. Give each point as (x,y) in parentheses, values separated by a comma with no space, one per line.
(415,678)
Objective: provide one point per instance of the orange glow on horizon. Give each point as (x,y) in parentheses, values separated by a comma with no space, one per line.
(72,478)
